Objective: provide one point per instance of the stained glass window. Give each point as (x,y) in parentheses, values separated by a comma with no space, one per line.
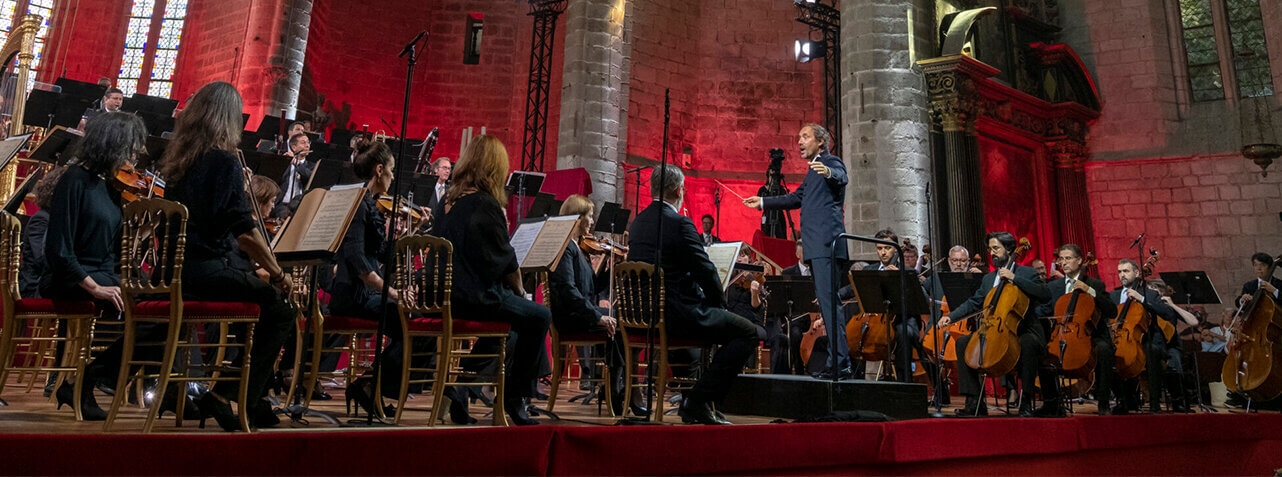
(131,61)
(136,73)
(1250,55)
(171,29)
(7,9)
(1200,50)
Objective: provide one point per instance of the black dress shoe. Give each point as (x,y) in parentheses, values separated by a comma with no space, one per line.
(318,395)
(972,408)
(721,418)
(262,415)
(827,374)
(213,405)
(698,412)
(515,408)
(361,391)
(89,409)
(1050,410)
(170,403)
(1181,409)
(1119,410)
(458,406)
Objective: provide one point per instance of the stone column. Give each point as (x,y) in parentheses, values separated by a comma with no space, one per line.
(272,60)
(885,134)
(1073,207)
(593,101)
(287,59)
(951,82)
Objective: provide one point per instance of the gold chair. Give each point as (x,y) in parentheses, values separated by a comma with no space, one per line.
(41,317)
(424,275)
(640,303)
(562,346)
(355,330)
(153,241)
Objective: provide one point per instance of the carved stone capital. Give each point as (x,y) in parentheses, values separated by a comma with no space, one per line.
(951,85)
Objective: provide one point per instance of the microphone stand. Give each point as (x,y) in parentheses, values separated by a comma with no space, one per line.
(935,307)
(716,201)
(410,53)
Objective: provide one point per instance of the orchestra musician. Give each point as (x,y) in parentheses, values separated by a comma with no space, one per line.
(1260,262)
(820,197)
(1070,259)
(744,296)
(204,174)
(574,307)
(1044,272)
(695,306)
(708,223)
(1155,344)
(296,175)
(790,329)
(83,239)
(34,265)
(441,168)
(357,287)
(111,102)
(487,279)
(1032,331)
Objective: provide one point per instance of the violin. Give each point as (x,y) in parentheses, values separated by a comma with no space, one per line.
(1132,323)
(596,246)
(134,184)
(1253,365)
(995,348)
(1074,323)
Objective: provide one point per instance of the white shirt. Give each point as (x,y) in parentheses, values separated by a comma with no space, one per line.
(440,191)
(1127,296)
(1069,282)
(801,267)
(1259,283)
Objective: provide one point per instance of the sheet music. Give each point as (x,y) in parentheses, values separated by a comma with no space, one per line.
(524,238)
(723,256)
(327,224)
(550,242)
(9,148)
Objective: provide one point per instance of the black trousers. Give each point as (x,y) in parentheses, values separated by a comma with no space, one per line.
(1164,366)
(530,322)
(1032,346)
(218,281)
(737,339)
(611,352)
(1105,356)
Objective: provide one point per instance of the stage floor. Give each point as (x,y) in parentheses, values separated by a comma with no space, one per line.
(36,439)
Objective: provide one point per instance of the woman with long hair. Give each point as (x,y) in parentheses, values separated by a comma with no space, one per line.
(487,279)
(83,239)
(203,173)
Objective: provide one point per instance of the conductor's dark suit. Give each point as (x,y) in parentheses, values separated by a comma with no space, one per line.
(820,200)
(1101,338)
(695,305)
(1032,331)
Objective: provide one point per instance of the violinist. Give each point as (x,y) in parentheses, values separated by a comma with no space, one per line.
(1260,262)
(745,295)
(573,290)
(357,288)
(1070,259)
(204,174)
(1032,331)
(487,280)
(83,239)
(1155,343)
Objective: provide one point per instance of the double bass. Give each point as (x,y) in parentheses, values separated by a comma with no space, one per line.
(995,346)
(1075,320)
(1253,365)
(1132,324)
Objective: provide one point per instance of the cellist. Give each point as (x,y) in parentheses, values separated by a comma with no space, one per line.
(1032,331)
(1155,345)
(1070,260)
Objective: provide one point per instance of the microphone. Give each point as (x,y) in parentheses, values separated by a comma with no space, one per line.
(1137,241)
(637,170)
(410,47)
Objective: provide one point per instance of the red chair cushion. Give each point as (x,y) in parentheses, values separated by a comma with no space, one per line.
(348,323)
(199,309)
(31,306)
(460,326)
(672,342)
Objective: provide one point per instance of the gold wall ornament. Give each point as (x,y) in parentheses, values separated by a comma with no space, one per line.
(1262,155)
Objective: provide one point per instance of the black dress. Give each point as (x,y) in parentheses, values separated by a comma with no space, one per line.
(83,239)
(217,212)
(482,259)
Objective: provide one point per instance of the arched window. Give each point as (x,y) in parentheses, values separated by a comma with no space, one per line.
(151,47)
(8,16)
(1223,37)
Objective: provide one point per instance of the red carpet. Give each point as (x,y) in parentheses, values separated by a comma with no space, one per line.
(1132,445)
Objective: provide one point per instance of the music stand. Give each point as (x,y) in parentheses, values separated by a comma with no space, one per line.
(153,104)
(613,219)
(248,140)
(54,148)
(1189,288)
(329,173)
(81,89)
(269,128)
(156,123)
(41,108)
(790,296)
(524,184)
(244,120)
(879,291)
(959,286)
(9,148)
(271,165)
(341,137)
(545,205)
(420,185)
(155,150)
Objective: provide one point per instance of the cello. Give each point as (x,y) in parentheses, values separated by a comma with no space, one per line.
(1075,320)
(995,348)
(1253,365)
(1132,324)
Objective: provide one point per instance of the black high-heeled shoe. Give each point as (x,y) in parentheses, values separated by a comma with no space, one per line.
(361,391)
(515,408)
(262,415)
(213,405)
(89,409)
(170,403)
(458,407)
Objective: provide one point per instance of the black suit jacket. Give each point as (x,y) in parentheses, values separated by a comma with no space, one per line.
(1026,279)
(1106,306)
(690,278)
(793,271)
(1249,288)
(1153,302)
(820,200)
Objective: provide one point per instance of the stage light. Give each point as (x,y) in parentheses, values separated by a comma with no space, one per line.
(808,50)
